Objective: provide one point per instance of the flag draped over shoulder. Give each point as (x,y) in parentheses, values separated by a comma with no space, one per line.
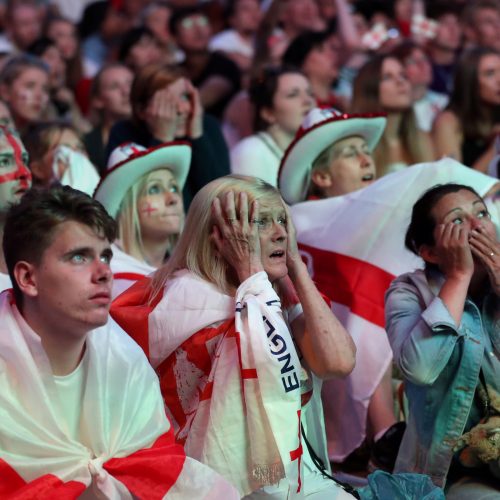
(354,247)
(229,374)
(125,447)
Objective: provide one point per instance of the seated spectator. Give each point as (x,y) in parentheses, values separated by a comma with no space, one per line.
(63,33)
(101,28)
(15,180)
(382,86)
(443,50)
(481,23)
(85,415)
(139,47)
(217,77)
(315,54)
(331,160)
(156,16)
(165,107)
(442,323)
(24,87)
(58,156)
(237,42)
(142,191)
(466,129)
(110,103)
(214,292)
(23,25)
(426,103)
(62,105)
(281,98)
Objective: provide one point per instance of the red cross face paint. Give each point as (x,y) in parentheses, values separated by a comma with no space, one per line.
(159,206)
(15,178)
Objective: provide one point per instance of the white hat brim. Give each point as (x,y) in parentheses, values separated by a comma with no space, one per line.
(176,156)
(296,165)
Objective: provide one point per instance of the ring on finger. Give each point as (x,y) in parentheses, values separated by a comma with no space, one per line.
(492,254)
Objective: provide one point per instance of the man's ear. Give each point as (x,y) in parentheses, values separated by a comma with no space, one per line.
(428,254)
(25,276)
(321,178)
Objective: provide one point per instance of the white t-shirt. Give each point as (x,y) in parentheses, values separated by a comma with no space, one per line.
(258,156)
(70,389)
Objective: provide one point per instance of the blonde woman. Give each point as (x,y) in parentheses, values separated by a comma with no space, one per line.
(142,189)
(236,328)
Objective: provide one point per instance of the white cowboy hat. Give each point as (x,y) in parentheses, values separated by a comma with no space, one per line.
(130,161)
(321,128)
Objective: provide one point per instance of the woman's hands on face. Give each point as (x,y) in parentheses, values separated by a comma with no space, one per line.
(168,107)
(236,235)
(293,258)
(195,120)
(487,250)
(453,251)
(161,113)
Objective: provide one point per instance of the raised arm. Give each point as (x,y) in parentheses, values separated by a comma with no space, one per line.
(325,344)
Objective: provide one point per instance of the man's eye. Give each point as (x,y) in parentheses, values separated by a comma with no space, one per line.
(78,258)
(106,259)
(5,162)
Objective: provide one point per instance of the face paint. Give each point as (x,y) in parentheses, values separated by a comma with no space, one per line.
(21,173)
(148,209)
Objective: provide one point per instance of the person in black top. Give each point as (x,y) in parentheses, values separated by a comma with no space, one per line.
(165,107)
(216,76)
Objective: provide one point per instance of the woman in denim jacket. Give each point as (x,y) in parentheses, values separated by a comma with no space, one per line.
(444,328)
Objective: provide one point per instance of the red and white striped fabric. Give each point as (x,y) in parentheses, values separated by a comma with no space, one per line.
(354,247)
(126,447)
(229,373)
(126,270)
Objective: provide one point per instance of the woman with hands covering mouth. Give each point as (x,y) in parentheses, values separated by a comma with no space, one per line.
(443,323)
(240,337)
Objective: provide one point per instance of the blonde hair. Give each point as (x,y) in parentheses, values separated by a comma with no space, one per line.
(320,163)
(129,227)
(195,250)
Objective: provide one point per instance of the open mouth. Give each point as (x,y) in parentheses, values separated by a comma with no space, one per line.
(277,254)
(368,177)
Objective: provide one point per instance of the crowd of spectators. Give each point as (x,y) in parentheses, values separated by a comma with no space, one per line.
(148,105)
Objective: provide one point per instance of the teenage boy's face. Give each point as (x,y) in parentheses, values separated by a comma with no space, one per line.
(72,282)
(15,178)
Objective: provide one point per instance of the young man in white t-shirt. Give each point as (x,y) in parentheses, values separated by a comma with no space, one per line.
(82,412)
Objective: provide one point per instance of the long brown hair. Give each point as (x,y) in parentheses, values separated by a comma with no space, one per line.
(366,99)
(476,117)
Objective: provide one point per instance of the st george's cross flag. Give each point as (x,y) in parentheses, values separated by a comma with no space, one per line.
(230,376)
(354,247)
(124,447)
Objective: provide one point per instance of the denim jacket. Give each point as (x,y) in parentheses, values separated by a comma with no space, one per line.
(440,364)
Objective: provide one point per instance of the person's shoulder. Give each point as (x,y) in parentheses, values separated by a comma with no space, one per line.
(447,118)
(224,40)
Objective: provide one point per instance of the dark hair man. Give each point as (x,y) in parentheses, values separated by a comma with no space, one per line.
(82,409)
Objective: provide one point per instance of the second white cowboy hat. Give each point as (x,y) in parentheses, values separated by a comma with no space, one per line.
(130,161)
(320,129)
